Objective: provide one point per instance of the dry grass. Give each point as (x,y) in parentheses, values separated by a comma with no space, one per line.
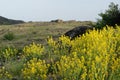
(35,32)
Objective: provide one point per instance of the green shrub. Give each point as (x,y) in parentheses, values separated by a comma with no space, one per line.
(109,17)
(9,36)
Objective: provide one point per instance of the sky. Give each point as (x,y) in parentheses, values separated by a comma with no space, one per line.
(47,10)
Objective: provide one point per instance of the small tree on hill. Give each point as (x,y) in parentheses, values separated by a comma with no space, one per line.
(110,17)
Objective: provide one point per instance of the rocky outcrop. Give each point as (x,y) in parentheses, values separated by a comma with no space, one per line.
(78,31)
(57,21)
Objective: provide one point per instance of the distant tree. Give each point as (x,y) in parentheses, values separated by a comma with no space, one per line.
(110,17)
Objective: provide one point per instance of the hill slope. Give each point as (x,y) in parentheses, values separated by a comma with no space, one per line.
(6,21)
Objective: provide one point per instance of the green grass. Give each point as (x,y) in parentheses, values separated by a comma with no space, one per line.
(35,32)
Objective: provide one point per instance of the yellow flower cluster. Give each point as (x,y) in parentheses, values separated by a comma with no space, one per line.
(33,50)
(100,52)
(51,42)
(60,47)
(35,69)
(4,75)
(65,40)
(71,68)
(8,54)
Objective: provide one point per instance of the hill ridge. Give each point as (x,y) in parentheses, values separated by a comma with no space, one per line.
(6,21)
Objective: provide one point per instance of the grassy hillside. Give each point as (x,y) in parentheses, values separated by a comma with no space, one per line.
(37,32)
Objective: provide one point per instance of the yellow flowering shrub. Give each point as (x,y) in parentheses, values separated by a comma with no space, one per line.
(4,75)
(33,50)
(71,68)
(58,48)
(7,54)
(100,50)
(35,69)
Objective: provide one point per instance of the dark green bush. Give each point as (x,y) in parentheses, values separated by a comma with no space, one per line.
(110,17)
(9,36)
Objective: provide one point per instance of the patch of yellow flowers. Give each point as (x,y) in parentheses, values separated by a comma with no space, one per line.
(93,56)
(71,68)
(33,50)
(8,54)
(97,56)
(35,69)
